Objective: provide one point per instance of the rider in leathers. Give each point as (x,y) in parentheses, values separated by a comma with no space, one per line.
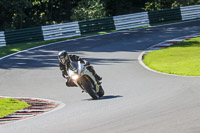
(64,63)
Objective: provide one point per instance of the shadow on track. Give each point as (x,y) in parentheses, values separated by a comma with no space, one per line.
(109,97)
(105,98)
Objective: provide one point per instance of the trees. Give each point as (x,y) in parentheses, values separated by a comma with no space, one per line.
(12,13)
(28,13)
(16,14)
(162,4)
(88,9)
(45,12)
(119,7)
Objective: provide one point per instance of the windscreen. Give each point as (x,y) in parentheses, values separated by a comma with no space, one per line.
(73,65)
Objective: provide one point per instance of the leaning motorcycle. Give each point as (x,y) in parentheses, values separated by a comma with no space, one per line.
(83,78)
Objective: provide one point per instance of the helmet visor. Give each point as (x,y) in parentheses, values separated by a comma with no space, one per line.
(64,60)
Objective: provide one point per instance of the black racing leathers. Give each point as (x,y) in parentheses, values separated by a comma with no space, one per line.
(73,58)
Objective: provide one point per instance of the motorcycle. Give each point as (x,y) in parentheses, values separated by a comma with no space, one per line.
(83,78)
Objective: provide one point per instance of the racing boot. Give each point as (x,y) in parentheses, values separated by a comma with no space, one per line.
(98,78)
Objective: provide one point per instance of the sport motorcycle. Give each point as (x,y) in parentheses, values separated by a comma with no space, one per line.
(83,78)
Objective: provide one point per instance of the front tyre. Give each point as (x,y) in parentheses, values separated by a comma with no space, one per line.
(89,87)
(101,91)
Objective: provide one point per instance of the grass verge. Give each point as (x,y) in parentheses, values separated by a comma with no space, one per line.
(182,58)
(10,105)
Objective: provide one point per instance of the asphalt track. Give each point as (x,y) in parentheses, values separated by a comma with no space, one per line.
(136,100)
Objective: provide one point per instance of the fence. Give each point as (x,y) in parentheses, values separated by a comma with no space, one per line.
(2,39)
(131,20)
(190,12)
(96,25)
(24,35)
(166,15)
(121,22)
(58,31)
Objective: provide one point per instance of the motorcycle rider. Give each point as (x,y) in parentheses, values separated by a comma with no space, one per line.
(64,64)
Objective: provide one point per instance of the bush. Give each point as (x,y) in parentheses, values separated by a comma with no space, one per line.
(88,9)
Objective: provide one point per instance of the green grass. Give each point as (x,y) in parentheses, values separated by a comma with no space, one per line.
(183,58)
(10,105)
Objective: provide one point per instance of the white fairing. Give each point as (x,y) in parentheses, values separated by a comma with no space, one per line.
(80,71)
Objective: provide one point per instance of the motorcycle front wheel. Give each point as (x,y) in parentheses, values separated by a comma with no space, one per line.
(101,91)
(90,88)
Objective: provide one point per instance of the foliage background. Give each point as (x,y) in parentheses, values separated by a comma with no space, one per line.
(16,14)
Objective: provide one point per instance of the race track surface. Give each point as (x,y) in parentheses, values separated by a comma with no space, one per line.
(136,100)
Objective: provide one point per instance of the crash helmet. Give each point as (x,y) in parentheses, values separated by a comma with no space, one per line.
(63,57)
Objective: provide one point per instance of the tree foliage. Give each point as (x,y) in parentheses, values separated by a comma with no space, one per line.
(119,7)
(162,4)
(15,14)
(12,13)
(88,9)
